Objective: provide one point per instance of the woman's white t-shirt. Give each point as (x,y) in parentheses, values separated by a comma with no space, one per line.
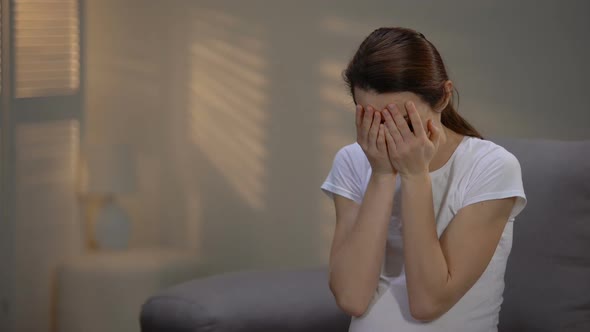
(478,170)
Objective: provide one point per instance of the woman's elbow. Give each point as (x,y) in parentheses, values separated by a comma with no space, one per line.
(351,308)
(426,311)
(348,304)
(423,315)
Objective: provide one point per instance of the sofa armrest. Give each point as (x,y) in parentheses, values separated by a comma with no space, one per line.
(247,301)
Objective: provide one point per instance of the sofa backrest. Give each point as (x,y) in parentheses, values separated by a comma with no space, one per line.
(548,272)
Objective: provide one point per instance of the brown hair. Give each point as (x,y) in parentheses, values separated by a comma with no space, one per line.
(400,59)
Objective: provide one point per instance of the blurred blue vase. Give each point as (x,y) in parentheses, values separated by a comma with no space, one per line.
(112,228)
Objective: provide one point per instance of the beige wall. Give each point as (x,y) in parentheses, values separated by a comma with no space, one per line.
(236,108)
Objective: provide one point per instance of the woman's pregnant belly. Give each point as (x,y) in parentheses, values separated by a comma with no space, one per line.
(389,312)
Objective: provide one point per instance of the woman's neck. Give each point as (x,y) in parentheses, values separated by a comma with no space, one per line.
(449,141)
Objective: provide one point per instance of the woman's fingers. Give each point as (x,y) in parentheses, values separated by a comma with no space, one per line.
(381,145)
(391,126)
(366,125)
(391,146)
(415,120)
(374,131)
(400,123)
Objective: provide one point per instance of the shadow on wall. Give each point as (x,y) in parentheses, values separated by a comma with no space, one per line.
(246,162)
(228,98)
(219,148)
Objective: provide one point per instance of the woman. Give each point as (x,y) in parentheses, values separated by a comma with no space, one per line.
(424,205)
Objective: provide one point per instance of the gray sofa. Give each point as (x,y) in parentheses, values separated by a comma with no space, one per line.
(547,277)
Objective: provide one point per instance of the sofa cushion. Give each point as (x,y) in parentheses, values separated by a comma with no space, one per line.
(248,301)
(548,271)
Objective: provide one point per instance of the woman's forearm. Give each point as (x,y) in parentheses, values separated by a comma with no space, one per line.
(425,265)
(357,264)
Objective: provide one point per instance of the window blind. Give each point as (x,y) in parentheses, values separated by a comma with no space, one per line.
(47,47)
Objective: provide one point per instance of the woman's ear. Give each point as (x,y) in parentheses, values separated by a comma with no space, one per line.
(448,86)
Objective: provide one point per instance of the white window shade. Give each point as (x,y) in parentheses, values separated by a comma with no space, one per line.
(47,47)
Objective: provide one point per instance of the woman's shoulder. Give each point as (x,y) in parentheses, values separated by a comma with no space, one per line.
(483,156)
(479,150)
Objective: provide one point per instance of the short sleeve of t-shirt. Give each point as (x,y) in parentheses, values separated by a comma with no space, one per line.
(345,177)
(497,175)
